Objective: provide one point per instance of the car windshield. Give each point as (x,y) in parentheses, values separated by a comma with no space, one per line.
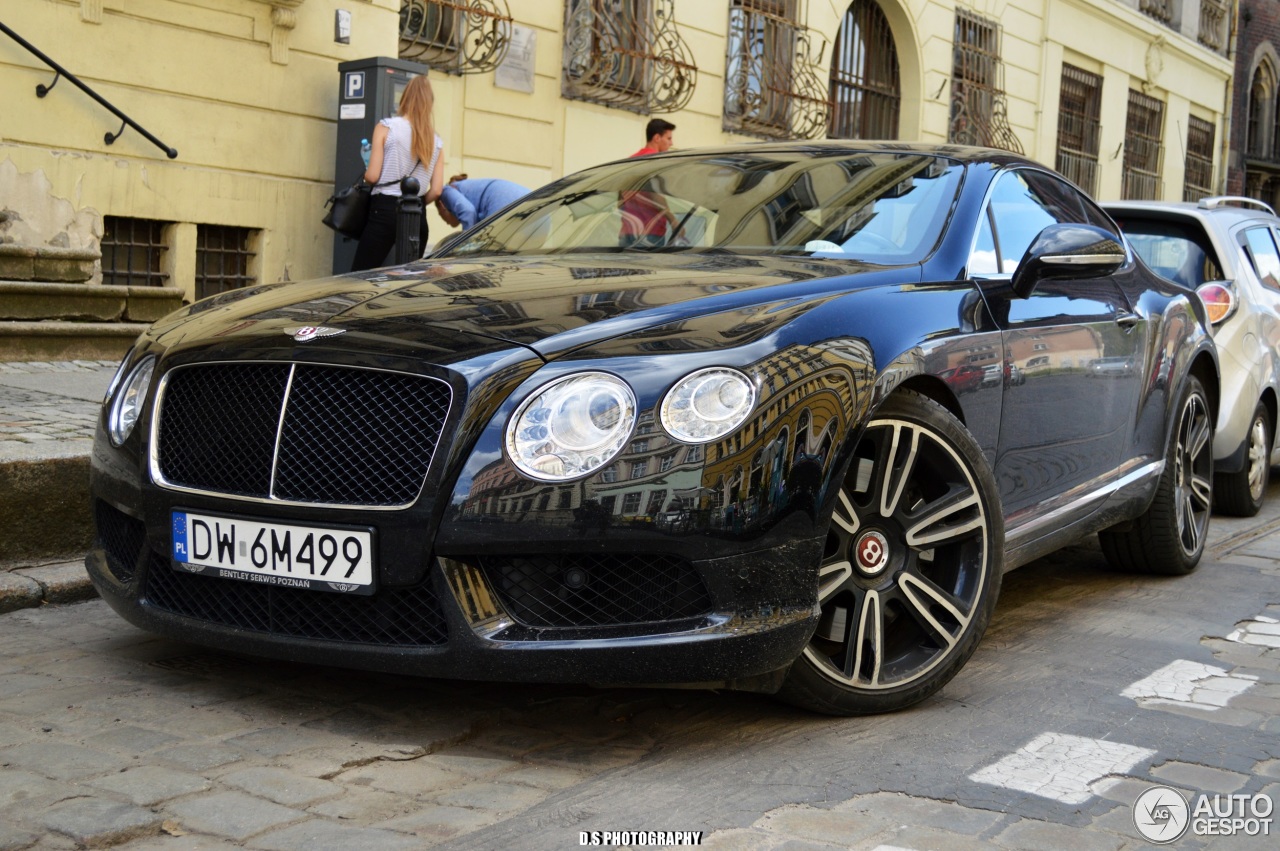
(1175,250)
(886,208)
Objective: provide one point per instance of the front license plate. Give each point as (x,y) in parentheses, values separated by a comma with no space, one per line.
(313,557)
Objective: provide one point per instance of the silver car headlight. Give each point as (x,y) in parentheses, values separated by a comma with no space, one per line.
(708,404)
(572,426)
(127,406)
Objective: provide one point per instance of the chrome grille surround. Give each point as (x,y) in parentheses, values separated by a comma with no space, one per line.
(286,433)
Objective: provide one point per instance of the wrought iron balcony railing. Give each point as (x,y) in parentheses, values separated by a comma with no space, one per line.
(772,86)
(627,54)
(455,36)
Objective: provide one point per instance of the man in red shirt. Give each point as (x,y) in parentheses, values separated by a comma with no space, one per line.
(644,214)
(658,132)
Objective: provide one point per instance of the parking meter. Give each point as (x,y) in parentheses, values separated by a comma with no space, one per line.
(368,91)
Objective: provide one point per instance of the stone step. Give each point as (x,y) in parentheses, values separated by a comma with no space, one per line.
(58,340)
(32,300)
(46,263)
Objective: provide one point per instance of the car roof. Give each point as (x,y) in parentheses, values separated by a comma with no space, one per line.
(962,153)
(1217,208)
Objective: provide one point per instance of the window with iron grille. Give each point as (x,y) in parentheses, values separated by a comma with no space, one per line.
(224,256)
(628,54)
(978,106)
(1143,148)
(455,36)
(132,250)
(1199,162)
(771,87)
(865,94)
(1079,125)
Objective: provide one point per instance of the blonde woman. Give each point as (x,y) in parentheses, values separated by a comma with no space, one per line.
(403,145)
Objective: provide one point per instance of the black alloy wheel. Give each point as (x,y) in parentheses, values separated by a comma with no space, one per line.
(1168,539)
(911,569)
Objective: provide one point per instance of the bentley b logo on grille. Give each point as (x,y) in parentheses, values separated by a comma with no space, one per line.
(310,332)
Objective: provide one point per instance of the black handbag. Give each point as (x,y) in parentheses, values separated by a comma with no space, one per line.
(349,209)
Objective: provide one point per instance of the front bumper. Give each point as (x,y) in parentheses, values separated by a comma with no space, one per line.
(454,624)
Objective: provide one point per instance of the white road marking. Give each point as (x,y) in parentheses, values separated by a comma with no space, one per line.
(1062,767)
(1189,684)
(1261,631)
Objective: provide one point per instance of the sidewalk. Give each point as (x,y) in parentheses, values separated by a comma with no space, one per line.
(47,416)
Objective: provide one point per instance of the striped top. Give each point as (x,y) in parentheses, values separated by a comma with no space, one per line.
(398,158)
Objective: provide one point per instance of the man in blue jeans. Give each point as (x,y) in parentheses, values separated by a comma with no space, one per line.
(466,201)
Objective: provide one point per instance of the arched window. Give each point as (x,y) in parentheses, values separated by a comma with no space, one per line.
(1259,126)
(865,93)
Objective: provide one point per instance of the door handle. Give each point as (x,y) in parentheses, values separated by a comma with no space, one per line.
(1127,320)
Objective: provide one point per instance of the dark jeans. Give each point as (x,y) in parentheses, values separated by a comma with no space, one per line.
(379,235)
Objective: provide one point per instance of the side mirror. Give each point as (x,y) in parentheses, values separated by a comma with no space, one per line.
(1067,251)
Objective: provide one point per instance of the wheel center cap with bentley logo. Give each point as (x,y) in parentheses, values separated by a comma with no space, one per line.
(871,552)
(310,332)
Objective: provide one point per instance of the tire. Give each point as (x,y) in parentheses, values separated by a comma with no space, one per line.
(1168,539)
(1241,494)
(911,569)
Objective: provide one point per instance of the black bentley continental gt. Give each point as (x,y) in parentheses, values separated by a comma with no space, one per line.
(774,418)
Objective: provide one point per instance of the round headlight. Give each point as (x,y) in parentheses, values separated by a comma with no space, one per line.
(128,404)
(708,404)
(571,427)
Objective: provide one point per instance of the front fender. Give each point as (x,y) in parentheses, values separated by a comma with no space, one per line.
(767,484)
(1181,347)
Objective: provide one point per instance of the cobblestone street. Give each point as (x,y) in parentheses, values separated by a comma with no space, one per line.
(1071,708)
(31,415)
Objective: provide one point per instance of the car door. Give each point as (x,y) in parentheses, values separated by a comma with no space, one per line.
(1076,346)
(1260,245)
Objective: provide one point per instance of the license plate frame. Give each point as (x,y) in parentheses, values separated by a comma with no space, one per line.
(234,546)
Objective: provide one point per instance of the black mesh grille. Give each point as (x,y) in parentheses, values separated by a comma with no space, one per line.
(409,617)
(349,437)
(121,537)
(218,427)
(358,437)
(597,590)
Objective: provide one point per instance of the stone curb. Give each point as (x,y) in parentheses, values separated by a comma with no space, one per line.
(44,508)
(37,585)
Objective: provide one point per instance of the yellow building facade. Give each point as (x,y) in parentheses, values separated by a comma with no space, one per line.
(248,93)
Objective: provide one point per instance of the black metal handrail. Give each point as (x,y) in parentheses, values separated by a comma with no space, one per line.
(42,90)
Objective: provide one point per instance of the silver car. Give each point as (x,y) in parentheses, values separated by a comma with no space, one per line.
(1228,250)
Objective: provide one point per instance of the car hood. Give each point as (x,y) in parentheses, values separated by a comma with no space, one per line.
(549,304)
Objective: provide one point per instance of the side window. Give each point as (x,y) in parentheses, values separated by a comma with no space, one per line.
(1094,216)
(1063,202)
(1262,251)
(1020,213)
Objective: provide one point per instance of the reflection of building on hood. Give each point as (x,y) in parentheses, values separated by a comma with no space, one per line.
(474,199)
